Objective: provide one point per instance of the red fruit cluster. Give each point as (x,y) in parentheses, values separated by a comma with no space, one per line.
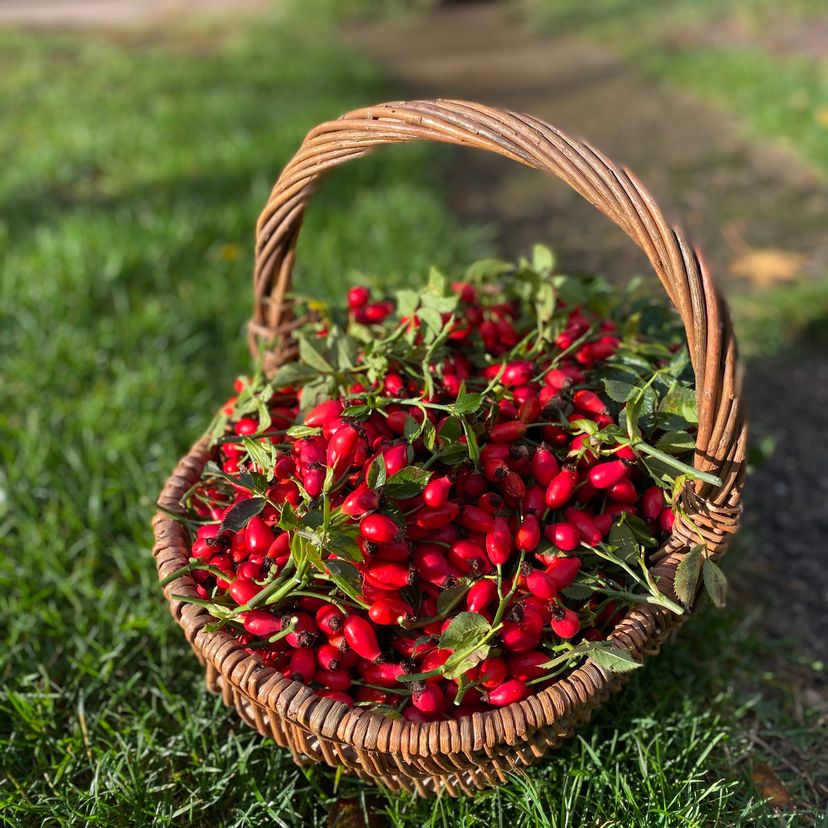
(341,551)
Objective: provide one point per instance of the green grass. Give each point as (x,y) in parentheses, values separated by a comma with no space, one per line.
(778,96)
(132,174)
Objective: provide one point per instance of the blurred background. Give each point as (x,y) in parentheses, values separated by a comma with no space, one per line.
(138,141)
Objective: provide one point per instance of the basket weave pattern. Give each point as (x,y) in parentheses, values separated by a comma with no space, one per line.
(478,750)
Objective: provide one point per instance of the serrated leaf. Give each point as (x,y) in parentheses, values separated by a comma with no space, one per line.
(467,629)
(618,391)
(357,412)
(442,304)
(676,442)
(311,354)
(377,473)
(240,515)
(467,403)
(612,657)
(687,575)
(715,582)
(623,538)
(406,483)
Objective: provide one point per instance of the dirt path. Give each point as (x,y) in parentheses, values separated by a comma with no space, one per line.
(733,196)
(117,14)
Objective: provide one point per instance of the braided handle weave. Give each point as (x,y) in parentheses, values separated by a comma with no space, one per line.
(615,191)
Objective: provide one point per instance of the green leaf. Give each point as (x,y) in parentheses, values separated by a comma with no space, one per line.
(488,269)
(715,582)
(357,412)
(676,442)
(429,434)
(346,576)
(239,515)
(631,414)
(682,402)
(432,320)
(448,598)
(467,403)
(343,545)
(466,629)
(299,431)
(294,373)
(571,289)
(618,391)
(311,354)
(687,575)
(407,482)
(407,302)
(471,442)
(377,473)
(543,260)
(437,284)
(624,541)
(612,657)
(586,426)
(641,531)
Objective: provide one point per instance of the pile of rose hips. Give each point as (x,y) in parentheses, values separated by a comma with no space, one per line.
(420,538)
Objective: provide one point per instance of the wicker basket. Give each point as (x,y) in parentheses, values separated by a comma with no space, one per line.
(479,750)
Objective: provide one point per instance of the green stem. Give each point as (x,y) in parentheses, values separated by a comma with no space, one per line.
(675,463)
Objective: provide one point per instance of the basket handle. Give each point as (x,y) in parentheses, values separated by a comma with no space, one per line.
(613,190)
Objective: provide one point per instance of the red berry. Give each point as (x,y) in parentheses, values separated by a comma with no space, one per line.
(588,402)
(527,666)
(529,534)
(544,465)
(261,623)
(560,488)
(389,609)
(607,474)
(428,698)
(563,535)
(509,692)
(541,585)
(565,622)
(324,413)
(652,502)
(301,665)
(508,432)
(666,520)
(563,571)
(492,672)
(358,297)
(243,589)
(481,595)
(436,492)
(378,528)
(257,535)
(361,501)
(361,638)
(499,542)
(589,532)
